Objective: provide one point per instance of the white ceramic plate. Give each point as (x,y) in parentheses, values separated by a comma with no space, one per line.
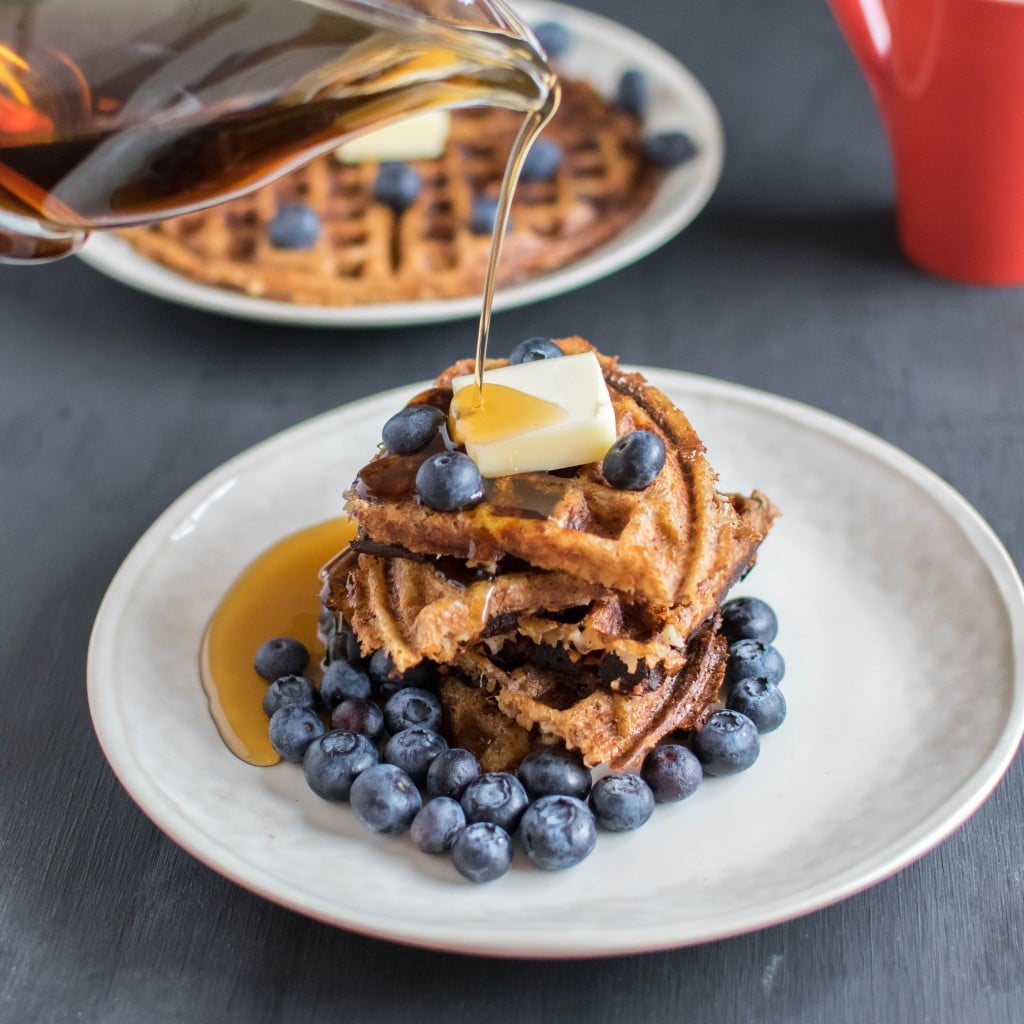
(603,49)
(902,624)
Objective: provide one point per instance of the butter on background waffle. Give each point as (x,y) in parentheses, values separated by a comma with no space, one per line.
(366,253)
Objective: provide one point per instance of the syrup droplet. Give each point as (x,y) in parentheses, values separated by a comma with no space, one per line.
(393,477)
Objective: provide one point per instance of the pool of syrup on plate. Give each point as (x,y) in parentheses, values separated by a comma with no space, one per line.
(276,595)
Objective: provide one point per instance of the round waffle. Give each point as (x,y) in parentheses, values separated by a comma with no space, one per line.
(614,729)
(673,543)
(412,607)
(366,253)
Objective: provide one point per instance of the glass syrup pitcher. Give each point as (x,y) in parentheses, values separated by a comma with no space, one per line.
(116,112)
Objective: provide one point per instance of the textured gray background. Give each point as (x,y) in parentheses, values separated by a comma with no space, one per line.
(112,403)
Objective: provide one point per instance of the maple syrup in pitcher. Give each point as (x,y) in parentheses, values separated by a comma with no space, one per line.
(115,112)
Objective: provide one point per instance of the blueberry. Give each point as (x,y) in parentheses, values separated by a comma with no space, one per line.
(387,689)
(413,707)
(356,714)
(542,162)
(555,38)
(327,625)
(385,799)
(338,639)
(343,681)
(558,832)
(397,186)
(448,481)
(351,652)
(554,770)
(292,729)
(381,667)
(451,771)
(412,750)
(532,349)
(634,461)
(436,825)
(423,674)
(621,801)
(334,761)
(747,618)
(294,226)
(670,149)
(727,744)
(672,771)
(482,852)
(497,797)
(753,658)
(412,429)
(289,690)
(762,702)
(282,656)
(387,680)
(633,93)
(483,214)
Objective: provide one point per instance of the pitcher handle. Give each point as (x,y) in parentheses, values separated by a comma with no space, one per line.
(866,27)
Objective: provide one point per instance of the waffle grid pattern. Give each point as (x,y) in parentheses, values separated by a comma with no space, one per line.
(366,253)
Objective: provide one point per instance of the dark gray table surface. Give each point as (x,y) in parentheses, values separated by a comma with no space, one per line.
(112,403)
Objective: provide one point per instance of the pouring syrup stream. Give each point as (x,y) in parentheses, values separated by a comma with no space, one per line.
(533,125)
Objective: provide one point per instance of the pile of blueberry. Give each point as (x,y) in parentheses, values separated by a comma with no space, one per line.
(385,755)
(730,741)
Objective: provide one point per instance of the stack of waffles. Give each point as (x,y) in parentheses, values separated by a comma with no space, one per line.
(368,253)
(559,609)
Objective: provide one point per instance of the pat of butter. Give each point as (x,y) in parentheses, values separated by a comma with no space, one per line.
(583,434)
(421,137)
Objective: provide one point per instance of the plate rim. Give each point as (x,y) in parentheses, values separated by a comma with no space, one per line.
(115,258)
(955,810)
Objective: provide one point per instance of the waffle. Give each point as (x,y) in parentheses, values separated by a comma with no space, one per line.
(420,607)
(676,543)
(368,254)
(414,611)
(607,728)
(474,722)
(559,609)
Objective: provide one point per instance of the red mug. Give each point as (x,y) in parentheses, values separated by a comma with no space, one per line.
(948,78)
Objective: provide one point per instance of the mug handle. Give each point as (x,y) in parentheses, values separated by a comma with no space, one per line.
(865,25)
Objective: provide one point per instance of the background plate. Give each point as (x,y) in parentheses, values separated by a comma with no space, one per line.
(602,51)
(902,623)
